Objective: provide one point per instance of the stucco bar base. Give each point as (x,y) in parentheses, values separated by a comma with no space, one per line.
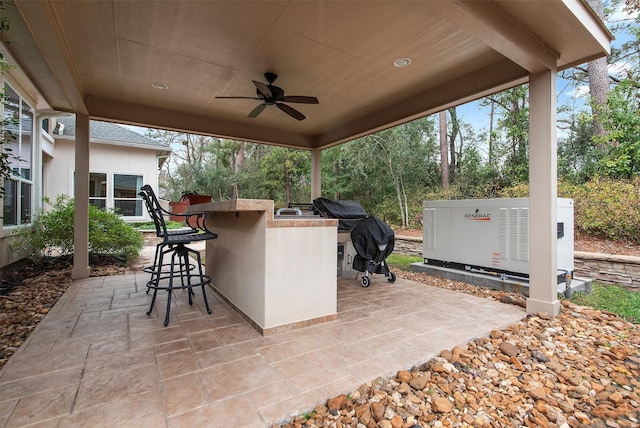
(278,274)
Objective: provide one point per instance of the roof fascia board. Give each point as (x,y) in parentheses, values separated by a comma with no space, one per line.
(490,24)
(588,18)
(155,117)
(42,23)
(17,77)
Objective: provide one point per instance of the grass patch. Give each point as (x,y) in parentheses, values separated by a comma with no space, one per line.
(402,261)
(612,298)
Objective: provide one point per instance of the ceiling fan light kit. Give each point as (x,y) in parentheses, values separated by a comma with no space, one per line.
(271,95)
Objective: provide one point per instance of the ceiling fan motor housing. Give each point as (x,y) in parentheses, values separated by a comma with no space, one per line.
(277,93)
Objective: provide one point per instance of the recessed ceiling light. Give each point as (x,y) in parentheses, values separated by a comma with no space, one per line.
(158,85)
(402,62)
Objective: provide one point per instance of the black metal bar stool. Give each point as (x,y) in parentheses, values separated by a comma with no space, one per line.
(178,272)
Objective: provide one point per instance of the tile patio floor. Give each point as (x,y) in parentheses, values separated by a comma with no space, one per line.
(97,360)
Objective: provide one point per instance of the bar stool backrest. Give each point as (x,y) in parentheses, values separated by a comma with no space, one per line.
(155,210)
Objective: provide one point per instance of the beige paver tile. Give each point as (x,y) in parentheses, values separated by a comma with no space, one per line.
(143,410)
(95,329)
(232,412)
(302,345)
(182,394)
(371,368)
(237,333)
(237,377)
(93,417)
(135,300)
(227,320)
(176,363)
(156,337)
(226,354)
(40,407)
(287,336)
(176,345)
(196,325)
(205,340)
(119,384)
(6,407)
(270,394)
(381,344)
(28,386)
(44,362)
(49,423)
(435,341)
(105,365)
(107,347)
(345,354)
(309,371)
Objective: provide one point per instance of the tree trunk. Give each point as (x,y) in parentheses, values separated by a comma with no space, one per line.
(406,204)
(287,183)
(455,129)
(444,151)
(239,159)
(598,77)
(491,114)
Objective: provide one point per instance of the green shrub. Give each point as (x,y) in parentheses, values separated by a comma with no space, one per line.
(112,236)
(52,233)
(609,208)
(602,207)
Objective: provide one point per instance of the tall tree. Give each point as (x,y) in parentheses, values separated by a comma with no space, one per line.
(598,77)
(455,133)
(444,150)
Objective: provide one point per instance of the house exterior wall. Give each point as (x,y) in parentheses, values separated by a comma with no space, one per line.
(104,158)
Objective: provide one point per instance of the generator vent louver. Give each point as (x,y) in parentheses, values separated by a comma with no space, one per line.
(429,218)
(514,234)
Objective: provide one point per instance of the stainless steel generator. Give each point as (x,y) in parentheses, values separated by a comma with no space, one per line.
(490,236)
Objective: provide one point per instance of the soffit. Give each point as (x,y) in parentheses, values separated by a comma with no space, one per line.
(101,58)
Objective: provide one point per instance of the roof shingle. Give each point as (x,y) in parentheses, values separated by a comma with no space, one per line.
(106,131)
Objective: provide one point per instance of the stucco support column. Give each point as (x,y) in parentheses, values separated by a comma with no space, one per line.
(316,173)
(543,183)
(37,163)
(81,192)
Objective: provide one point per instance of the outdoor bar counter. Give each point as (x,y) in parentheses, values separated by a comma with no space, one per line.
(278,272)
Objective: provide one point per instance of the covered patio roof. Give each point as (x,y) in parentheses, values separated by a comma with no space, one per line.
(163,63)
(103,58)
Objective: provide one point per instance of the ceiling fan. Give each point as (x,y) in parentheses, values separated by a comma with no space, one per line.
(272,95)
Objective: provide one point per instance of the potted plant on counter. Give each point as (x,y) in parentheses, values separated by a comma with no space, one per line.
(187,198)
(195,198)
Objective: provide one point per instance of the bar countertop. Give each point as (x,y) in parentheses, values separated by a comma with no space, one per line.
(268,207)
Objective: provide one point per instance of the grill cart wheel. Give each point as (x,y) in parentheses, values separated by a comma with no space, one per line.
(365,281)
(392,277)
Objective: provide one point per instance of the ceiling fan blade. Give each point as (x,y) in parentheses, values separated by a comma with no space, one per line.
(263,89)
(291,111)
(241,98)
(300,99)
(256,111)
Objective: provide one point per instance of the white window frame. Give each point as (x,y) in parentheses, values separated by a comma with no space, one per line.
(110,198)
(21,154)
